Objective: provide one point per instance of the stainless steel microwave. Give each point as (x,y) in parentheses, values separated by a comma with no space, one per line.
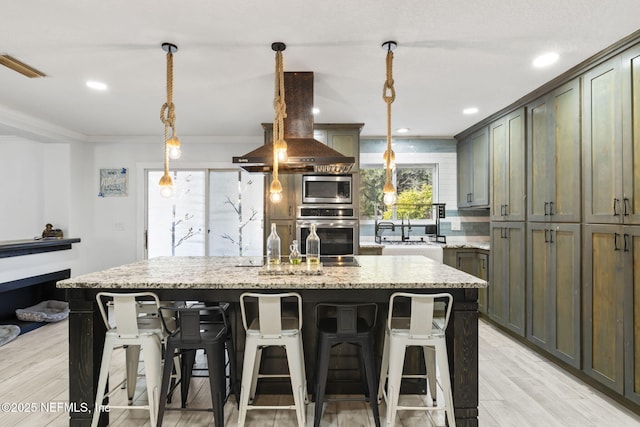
(327,189)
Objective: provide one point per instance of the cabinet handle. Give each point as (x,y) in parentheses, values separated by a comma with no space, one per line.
(469,197)
(626,203)
(546,239)
(615,241)
(545,208)
(551,208)
(506,210)
(627,243)
(290,211)
(615,205)
(550,236)
(505,233)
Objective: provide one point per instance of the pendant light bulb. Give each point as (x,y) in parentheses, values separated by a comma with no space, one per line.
(280,146)
(166,186)
(275,191)
(389,199)
(173,144)
(275,197)
(389,191)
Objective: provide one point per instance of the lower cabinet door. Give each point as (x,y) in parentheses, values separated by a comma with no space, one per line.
(604,305)
(507,275)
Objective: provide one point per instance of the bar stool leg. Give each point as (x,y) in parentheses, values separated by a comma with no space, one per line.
(215,362)
(298,383)
(102,378)
(250,354)
(445,381)
(233,367)
(255,374)
(166,380)
(384,367)
(397,348)
(152,351)
(322,369)
(366,353)
(188,360)
(132,357)
(430,365)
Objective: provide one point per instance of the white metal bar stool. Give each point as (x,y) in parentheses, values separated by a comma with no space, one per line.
(420,329)
(136,332)
(272,328)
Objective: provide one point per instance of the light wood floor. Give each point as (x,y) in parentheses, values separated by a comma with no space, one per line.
(517,388)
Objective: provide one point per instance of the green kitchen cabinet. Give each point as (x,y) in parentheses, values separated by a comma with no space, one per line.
(631,279)
(474,262)
(506,296)
(344,138)
(611,135)
(553,289)
(508,173)
(611,315)
(473,170)
(553,148)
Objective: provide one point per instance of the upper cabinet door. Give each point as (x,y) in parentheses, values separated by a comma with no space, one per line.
(631,136)
(554,156)
(602,136)
(473,170)
(507,139)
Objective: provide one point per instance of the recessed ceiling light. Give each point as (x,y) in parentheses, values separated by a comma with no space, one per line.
(471,110)
(315,110)
(402,130)
(96,85)
(545,59)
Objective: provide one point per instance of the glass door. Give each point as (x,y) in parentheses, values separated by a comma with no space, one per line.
(212,212)
(236,213)
(176,225)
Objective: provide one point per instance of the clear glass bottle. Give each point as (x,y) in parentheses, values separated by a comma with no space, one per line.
(294,256)
(273,248)
(313,249)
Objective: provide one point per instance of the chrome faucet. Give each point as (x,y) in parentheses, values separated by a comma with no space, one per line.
(406,238)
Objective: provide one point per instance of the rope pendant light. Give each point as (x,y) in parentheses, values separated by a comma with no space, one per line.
(168,117)
(279,144)
(389,95)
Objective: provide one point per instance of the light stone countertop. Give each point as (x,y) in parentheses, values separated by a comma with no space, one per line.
(470,244)
(374,272)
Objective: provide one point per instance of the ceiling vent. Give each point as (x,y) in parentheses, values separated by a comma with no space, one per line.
(20,67)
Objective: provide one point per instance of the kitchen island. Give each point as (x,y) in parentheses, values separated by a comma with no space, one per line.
(225,278)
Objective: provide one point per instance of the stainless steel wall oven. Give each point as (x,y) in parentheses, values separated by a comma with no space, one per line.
(336,226)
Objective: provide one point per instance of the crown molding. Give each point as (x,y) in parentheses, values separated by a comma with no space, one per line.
(22,125)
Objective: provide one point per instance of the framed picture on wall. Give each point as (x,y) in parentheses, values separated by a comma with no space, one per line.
(113,182)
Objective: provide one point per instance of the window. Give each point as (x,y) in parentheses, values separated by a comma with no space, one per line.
(414,188)
(213,212)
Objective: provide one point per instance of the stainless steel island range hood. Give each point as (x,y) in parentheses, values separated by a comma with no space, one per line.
(305,154)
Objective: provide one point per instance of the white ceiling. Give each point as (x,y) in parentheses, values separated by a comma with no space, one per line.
(451,55)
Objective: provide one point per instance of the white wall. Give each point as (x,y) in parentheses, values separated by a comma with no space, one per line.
(58,182)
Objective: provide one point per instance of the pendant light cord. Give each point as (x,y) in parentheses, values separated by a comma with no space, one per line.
(389,95)
(167,112)
(280,109)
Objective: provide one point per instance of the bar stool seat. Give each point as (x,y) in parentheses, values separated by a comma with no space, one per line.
(421,329)
(271,328)
(193,334)
(341,324)
(135,331)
